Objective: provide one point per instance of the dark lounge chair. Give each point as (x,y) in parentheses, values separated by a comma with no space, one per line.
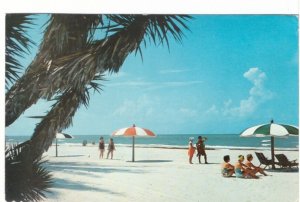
(284,161)
(263,160)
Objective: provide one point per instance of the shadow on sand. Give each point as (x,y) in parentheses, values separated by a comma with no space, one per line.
(90,169)
(61,156)
(285,170)
(151,161)
(207,163)
(74,185)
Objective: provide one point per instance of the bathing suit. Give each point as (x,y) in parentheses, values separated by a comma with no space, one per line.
(101,145)
(201,147)
(191,149)
(239,173)
(111,147)
(225,172)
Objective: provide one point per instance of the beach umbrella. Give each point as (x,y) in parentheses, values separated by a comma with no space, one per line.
(133,132)
(61,136)
(272,130)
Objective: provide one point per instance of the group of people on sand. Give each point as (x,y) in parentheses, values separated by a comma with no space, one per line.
(240,169)
(110,148)
(200,147)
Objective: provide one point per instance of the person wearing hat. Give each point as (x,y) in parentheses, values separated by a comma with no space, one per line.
(191,150)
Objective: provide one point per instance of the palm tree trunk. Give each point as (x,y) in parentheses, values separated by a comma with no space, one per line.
(59,118)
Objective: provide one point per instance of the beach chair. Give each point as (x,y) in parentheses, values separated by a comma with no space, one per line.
(263,160)
(284,162)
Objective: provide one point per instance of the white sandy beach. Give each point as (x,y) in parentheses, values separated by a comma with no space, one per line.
(160,175)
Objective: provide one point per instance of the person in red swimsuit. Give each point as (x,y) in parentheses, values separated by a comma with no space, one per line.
(191,150)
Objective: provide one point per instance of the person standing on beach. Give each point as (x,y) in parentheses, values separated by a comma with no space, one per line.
(101,147)
(111,148)
(201,148)
(191,150)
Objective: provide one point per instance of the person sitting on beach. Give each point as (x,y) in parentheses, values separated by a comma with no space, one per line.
(111,148)
(253,167)
(227,168)
(201,148)
(191,150)
(101,147)
(242,171)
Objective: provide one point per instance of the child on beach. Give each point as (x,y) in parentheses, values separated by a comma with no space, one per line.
(201,148)
(101,147)
(191,150)
(242,171)
(253,167)
(111,148)
(227,169)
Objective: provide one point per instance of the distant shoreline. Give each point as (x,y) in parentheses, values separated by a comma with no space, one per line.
(183,147)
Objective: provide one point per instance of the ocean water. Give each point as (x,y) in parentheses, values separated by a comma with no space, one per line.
(178,140)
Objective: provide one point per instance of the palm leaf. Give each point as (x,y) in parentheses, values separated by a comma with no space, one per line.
(26,178)
(17,44)
(64,34)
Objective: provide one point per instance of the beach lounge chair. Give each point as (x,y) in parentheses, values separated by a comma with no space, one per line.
(284,162)
(263,160)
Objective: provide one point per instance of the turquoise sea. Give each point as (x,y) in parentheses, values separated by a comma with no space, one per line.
(179,140)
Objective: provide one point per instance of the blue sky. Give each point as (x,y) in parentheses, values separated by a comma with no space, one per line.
(229,73)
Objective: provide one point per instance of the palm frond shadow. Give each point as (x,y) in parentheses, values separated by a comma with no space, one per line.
(88,169)
(74,185)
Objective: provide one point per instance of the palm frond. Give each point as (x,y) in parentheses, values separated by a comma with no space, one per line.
(17,44)
(26,178)
(94,83)
(64,34)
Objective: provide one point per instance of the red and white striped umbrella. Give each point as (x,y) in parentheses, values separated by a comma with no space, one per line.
(133,132)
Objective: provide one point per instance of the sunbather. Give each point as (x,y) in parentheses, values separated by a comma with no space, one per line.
(243,171)
(227,169)
(253,167)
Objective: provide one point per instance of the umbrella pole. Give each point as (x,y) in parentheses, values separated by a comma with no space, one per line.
(56,147)
(272,152)
(132,148)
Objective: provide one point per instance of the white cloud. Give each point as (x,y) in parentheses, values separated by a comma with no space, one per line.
(154,85)
(173,71)
(140,107)
(188,112)
(212,110)
(258,94)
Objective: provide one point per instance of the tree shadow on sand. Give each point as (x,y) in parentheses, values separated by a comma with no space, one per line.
(62,156)
(151,161)
(89,169)
(73,185)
